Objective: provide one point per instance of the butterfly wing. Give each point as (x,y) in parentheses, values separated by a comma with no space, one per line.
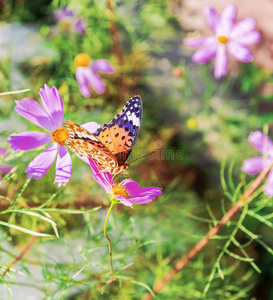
(119,136)
(87,145)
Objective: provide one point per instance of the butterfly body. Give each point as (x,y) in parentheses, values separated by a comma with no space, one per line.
(111,144)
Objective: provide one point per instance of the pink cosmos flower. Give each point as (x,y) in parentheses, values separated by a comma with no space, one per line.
(86,74)
(128,192)
(228,36)
(69,21)
(50,117)
(256,164)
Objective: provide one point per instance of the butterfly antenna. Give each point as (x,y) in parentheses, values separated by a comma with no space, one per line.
(142,157)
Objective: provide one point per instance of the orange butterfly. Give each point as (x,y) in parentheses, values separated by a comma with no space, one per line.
(111,144)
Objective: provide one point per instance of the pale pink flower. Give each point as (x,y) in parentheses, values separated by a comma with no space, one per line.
(50,117)
(255,165)
(228,37)
(87,74)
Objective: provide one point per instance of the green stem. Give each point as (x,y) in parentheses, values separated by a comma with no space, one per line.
(19,194)
(106,236)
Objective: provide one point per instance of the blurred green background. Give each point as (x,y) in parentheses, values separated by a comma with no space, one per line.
(197,125)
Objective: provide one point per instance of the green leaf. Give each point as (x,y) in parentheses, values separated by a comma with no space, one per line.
(247,259)
(67,211)
(249,233)
(230,179)
(14,92)
(139,283)
(220,272)
(210,280)
(72,278)
(222,175)
(20,193)
(236,193)
(51,197)
(23,229)
(270,250)
(30,213)
(260,218)
(214,221)
(236,243)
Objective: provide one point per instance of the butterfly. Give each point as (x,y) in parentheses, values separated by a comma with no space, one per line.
(111,144)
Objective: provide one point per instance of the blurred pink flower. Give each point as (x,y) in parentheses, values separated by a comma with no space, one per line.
(69,21)
(128,192)
(86,74)
(49,117)
(228,37)
(254,165)
(63,12)
(4,168)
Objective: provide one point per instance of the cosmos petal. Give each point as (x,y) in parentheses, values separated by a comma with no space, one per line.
(248,39)
(241,53)
(95,81)
(141,200)
(83,82)
(35,113)
(84,159)
(93,166)
(38,167)
(204,54)
(212,17)
(63,166)
(227,19)
(138,195)
(261,142)
(220,62)
(102,65)
(268,188)
(150,191)
(28,140)
(243,27)
(124,201)
(91,126)
(104,179)
(53,103)
(194,42)
(131,186)
(255,165)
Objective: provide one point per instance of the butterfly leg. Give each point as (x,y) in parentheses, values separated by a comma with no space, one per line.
(101,171)
(125,175)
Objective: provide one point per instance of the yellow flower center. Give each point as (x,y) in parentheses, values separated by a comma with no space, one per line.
(119,190)
(82,60)
(60,135)
(222,39)
(192,123)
